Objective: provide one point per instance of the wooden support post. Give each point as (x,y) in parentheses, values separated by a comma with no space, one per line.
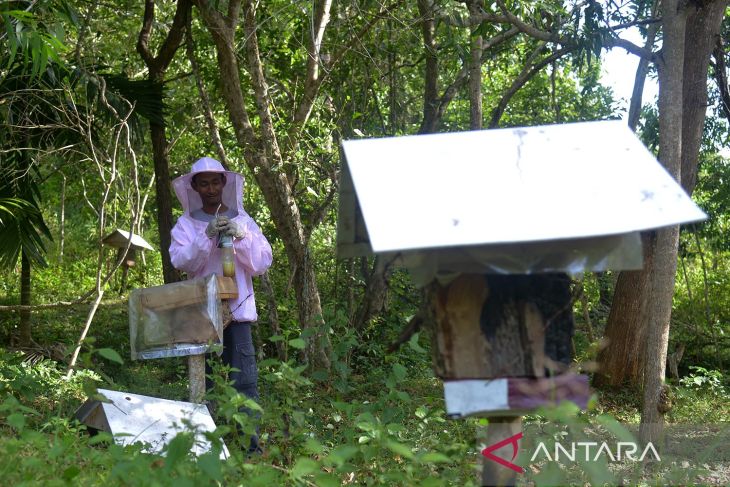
(501,429)
(196,374)
(125,274)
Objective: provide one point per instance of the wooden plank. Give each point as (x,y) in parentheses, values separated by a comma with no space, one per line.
(169,296)
(464,352)
(227,288)
(182,294)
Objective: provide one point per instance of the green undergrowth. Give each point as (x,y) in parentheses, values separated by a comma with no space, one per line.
(376,419)
(386,426)
(382,426)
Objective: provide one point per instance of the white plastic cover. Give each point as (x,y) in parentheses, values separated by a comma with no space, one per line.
(176,319)
(572,256)
(556,182)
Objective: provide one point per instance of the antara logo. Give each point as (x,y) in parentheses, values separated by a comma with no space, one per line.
(626,450)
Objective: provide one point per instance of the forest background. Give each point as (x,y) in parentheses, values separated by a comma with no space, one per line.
(102,104)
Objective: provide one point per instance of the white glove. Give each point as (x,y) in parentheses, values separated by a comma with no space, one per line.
(215,226)
(232,229)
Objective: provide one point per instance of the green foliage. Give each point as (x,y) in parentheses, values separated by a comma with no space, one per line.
(36,35)
(42,387)
(22,229)
(702,397)
(703,378)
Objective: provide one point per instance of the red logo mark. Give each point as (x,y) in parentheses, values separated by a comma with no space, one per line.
(487,452)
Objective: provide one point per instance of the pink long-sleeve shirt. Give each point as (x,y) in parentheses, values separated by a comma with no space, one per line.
(196,254)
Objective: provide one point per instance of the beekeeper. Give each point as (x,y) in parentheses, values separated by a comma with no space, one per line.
(212,200)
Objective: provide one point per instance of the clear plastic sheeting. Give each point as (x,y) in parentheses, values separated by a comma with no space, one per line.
(177,319)
(572,256)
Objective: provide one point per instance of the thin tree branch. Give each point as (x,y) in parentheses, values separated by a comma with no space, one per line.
(83,32)
(158,64)
(312,85)
(223,37)
(366,28)
(145,31)
(720,72)
(653,20)
(123,126)
(205,100)
(528,29)
(234,13)
(641,70)
(527,73)
(321,211)
(462,77)
(258,81)
(215,20)
(274,322)
(632,48)
(321,17)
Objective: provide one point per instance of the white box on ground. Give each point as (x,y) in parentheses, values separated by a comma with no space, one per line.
(133,418)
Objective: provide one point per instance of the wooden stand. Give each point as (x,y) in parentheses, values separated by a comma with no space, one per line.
(501,430)
(187,323)
(496,326)
(196,375)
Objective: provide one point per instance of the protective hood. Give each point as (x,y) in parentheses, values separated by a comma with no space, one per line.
(190,200)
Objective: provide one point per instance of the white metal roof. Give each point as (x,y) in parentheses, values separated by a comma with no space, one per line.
(135,418)
(511,185)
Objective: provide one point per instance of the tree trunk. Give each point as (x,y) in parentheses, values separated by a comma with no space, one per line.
(664,251)
(157,66)
(622,360)
(376,293)
(703,28)
(475,72)
(310,313)
(393,126)
(62,220)
(24,336)
(659,309)
(430,87)
(204,98)
(163,198)
(687,30)
(274,325)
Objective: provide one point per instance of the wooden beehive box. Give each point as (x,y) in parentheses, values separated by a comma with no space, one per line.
(193,312)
